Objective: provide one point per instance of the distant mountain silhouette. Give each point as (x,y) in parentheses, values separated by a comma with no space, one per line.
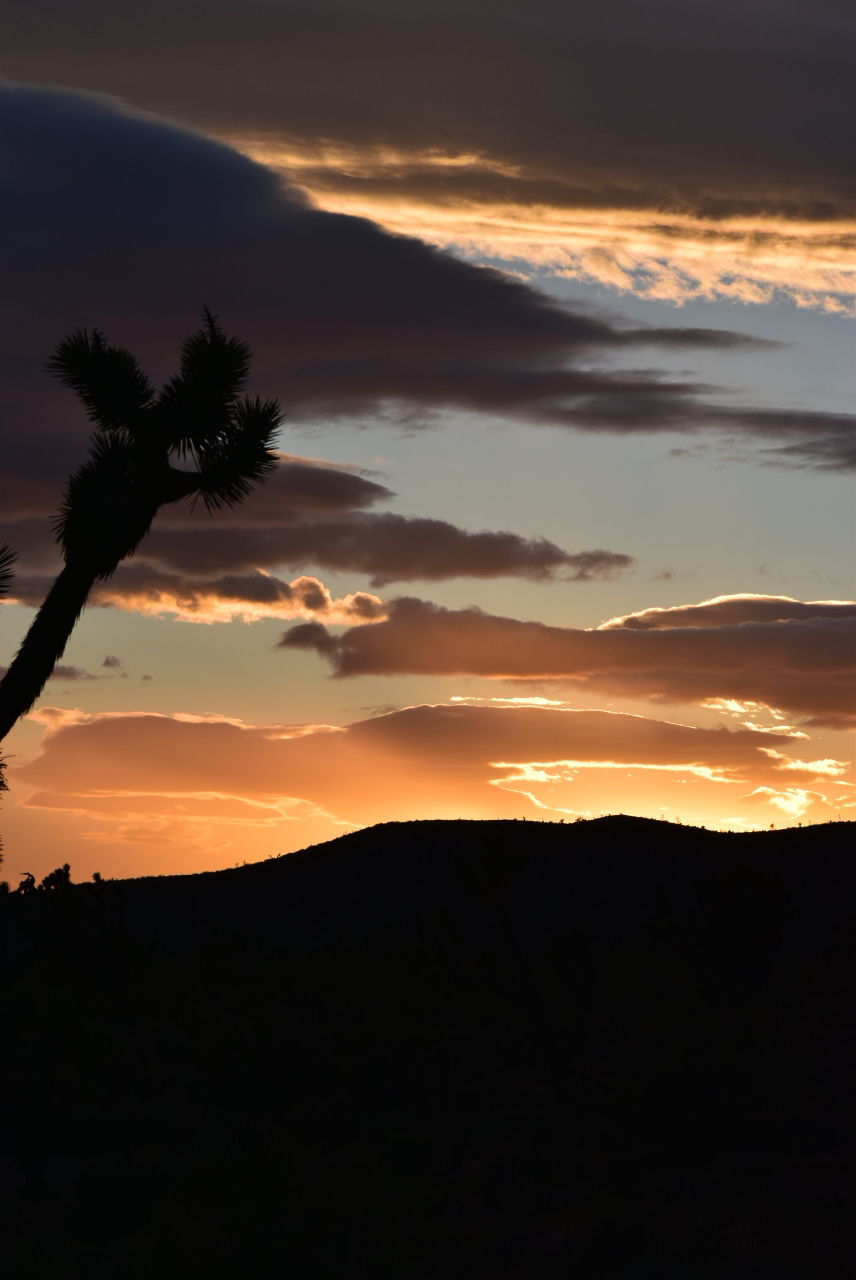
(616,1048)
(609,875)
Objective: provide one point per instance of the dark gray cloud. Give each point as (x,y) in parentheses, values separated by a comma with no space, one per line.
(387,547)
(804,665)
(61,672)
(718,106)
(188,556)
(343,318)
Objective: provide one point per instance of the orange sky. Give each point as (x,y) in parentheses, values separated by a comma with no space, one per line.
(142,792)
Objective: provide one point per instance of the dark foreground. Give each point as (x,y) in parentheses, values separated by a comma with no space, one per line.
(499,1049)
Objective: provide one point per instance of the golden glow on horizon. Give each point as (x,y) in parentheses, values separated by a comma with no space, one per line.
(159,793)
(194,791)
(654,253)
(554,770)
(794,802)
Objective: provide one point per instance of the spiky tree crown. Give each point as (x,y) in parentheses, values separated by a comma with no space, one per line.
(200,416)
(7,572)
(7,569)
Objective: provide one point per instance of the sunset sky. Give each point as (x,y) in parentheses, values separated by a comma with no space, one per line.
(558,302)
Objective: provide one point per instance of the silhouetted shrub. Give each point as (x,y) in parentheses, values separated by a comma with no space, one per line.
(58,879)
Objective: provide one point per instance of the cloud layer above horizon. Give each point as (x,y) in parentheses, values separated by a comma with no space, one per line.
(156,777)
(788,656)
(673,150)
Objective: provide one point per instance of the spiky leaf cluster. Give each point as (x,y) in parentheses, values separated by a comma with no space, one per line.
(198,404)
(239,456)
(200,417)
(106,379)
(7,569)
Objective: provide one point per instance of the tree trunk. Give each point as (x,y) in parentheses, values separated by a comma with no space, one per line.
(44,643)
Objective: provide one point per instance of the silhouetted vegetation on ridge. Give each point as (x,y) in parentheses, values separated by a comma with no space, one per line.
(615,1048)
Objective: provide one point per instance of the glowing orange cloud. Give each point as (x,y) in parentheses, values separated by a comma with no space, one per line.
(222,789)
(245,598)
(455,201)
(804,664)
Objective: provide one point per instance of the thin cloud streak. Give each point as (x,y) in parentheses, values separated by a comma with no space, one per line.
(620,239)
(731,611)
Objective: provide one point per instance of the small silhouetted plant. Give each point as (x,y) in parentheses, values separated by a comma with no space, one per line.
(200,415)
(58,879)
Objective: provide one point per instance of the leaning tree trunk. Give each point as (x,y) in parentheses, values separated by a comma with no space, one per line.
(44,643)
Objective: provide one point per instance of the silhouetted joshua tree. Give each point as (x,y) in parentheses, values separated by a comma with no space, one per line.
(200,415)
(57,880)
(7,569)
(7,572)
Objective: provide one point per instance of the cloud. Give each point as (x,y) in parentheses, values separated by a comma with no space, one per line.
(796,803)
(805,665)
(674,249)
(245,597)
(731,611)
(299,489)
(674,149)
(65,673)
(815,768)
(446,760)
(208,571)
(388,547)
(61,672)
(343,318)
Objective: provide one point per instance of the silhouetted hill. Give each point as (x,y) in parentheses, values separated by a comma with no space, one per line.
(617,1048)
(609,875)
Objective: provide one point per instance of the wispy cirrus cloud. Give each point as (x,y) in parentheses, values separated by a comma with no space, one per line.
(698,246)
